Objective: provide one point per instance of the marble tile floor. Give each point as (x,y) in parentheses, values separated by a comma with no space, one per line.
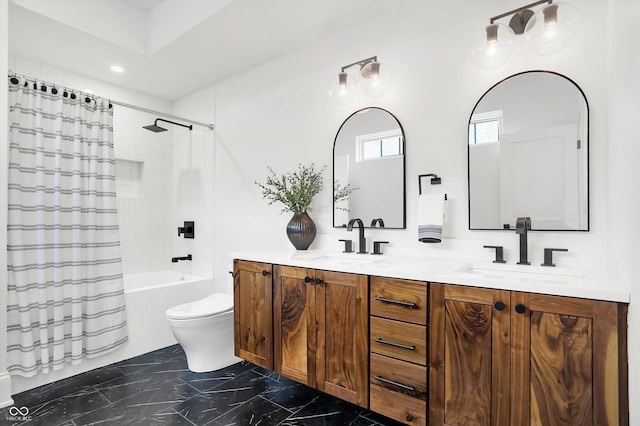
(157,389)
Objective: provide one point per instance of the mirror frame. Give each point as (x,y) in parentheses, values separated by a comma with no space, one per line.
(588,155)
(404,170)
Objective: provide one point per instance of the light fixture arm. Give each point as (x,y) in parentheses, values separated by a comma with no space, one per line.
(362,62)
(520,9)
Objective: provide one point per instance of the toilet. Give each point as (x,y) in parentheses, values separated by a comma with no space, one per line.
(204,329)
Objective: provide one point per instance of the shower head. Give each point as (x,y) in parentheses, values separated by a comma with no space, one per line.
(156,129)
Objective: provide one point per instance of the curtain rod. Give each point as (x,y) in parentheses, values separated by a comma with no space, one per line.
(123,104)
(164,114)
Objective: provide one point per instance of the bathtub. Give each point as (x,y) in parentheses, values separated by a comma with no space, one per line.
(148,296)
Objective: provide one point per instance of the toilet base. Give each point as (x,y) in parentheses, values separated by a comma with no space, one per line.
(207,342)
(199,364)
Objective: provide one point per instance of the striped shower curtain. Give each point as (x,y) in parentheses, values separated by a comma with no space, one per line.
(65,293)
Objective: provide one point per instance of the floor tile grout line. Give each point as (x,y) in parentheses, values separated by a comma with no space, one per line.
(178,413)
(275,403)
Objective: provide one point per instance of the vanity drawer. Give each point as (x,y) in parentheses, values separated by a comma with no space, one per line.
(400,340)
(398,390)
(402,300)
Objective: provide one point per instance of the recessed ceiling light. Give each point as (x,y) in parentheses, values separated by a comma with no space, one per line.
(117,68)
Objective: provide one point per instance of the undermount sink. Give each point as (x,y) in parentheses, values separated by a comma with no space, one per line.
(356,259)
(523,273)
(345,258)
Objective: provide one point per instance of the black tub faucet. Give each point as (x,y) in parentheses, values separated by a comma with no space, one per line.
(362,241)
(177,259)
(523,224)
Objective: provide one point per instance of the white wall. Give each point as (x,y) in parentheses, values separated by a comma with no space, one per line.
(279,114)
(192,184)
(624,174)
(5,380)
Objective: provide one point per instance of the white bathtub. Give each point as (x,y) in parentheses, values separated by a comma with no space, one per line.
(148,296)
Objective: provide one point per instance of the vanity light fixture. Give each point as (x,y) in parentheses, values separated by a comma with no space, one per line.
(547,31)
(374,81)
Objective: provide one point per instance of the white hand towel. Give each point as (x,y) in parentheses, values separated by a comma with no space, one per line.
(430,217)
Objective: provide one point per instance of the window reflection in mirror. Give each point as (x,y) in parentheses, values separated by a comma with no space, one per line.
(528,154)
(368,155)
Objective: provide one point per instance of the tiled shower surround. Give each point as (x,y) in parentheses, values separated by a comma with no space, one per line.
(157,388)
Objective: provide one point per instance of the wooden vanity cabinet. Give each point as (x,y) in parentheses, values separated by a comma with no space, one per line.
(499,357)
(253,307)
(398,354)
(321,330)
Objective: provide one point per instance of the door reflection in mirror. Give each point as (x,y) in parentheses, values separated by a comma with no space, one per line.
(528,154)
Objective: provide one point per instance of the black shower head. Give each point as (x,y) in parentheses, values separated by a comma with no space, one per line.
(156,129)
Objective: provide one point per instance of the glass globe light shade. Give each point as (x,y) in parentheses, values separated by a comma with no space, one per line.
(375,80)
(344,90)
(494,51)
(550,29)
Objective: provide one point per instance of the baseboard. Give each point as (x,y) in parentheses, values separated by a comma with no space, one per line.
(5,390)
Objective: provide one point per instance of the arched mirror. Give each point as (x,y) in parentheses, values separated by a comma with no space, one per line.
(528,153)
(368,158)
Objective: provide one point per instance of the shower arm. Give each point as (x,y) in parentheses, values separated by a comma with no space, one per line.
(155,123)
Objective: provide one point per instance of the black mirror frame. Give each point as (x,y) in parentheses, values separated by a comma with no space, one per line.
(588,156)
(404,170)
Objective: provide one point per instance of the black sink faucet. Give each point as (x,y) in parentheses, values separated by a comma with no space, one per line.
(523,224)
(362,241)
(378,221)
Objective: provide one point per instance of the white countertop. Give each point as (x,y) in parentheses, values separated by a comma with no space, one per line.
(588,283)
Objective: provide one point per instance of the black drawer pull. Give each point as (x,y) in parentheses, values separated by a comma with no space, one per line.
(397,345)
(397,302)
(391,382)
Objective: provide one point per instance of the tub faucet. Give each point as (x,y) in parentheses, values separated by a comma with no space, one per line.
(362,241)
(177,259)
(523,224)
(379,221)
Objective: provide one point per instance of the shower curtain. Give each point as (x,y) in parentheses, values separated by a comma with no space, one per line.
(65,293)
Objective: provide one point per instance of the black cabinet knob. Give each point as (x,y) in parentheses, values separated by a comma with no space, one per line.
(307,279)
(317,281)
(265,273)
(520,308)
(499,306)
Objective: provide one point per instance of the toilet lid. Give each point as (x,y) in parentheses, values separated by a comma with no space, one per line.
(211,305)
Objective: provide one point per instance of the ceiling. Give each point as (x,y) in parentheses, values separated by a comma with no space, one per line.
(172,48)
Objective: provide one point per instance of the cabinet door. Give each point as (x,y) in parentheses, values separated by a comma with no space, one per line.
(469,356)
(253,312)
(294,320)
(342,355)
(565,361)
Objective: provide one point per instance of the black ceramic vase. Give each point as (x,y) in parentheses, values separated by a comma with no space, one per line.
(301,230)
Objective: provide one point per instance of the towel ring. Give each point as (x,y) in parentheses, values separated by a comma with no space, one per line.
(435,180)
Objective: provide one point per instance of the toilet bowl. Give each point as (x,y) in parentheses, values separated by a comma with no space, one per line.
(204,329)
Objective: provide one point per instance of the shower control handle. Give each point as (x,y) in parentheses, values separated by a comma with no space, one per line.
(188,230)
